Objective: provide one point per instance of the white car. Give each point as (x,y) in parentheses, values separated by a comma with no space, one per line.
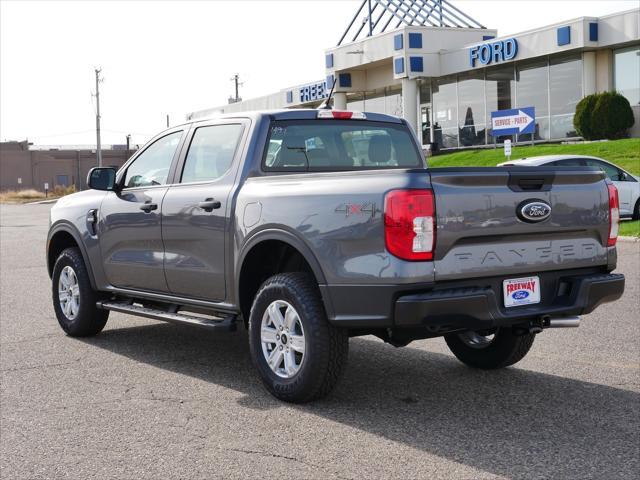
(628,185)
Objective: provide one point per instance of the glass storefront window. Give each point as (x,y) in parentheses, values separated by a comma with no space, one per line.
(471,112)
(444,103)
(425,111)
(445,112)
(565,86)
(565,77)
(562,127)
(446,137)
(500,91)
(532,90)
(626,73)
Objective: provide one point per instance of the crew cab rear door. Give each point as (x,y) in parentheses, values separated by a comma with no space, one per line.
(197,208)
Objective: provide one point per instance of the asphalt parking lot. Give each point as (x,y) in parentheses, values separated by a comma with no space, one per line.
(151,400)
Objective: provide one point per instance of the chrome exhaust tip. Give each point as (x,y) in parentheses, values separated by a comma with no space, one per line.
(561,322)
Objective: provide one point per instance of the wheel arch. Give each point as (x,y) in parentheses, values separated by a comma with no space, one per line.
(283,247)
(62,236)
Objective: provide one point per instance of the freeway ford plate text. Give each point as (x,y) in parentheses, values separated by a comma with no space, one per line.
(521,291)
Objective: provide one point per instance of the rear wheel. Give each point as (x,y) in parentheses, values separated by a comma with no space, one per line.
(74,301)
(299,355)
(636,210)
(490,349)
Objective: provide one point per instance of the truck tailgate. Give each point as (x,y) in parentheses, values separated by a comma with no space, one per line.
(481,233)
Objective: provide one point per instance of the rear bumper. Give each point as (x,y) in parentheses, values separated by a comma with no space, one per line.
(481,307)
(474,303)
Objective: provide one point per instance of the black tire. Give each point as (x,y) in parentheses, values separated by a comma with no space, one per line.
(504,350)
(326,347)
(636,210)
(88,320)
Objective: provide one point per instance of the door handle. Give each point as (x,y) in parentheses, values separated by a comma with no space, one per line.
(209,204)
(147,207)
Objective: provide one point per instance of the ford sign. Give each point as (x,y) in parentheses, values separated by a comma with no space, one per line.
(533,211)
(499,51)
(520,295)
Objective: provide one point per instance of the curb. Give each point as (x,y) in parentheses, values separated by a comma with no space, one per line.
(629,239)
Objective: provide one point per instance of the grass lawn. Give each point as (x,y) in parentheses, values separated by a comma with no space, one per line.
(624,153)
(630,228)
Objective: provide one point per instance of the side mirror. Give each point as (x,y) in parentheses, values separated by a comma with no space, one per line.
(623,177)
(102,178)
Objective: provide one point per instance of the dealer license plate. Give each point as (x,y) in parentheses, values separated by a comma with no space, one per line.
(521,291)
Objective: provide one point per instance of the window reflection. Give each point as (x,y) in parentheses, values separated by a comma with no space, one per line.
(500,91)
(471,112)
(532,90)
(627,73)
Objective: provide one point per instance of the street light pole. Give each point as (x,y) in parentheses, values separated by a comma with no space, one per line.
(98,147)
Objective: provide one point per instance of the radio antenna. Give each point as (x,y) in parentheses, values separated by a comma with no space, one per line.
(326,105)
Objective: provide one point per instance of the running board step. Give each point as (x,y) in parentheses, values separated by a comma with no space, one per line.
(222,324)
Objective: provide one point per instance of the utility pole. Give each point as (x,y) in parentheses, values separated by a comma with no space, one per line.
(167,120)
(98,147)
(236,80)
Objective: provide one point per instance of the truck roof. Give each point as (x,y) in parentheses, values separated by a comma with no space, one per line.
(294,114)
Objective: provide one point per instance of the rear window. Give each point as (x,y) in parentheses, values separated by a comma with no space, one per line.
(325,145)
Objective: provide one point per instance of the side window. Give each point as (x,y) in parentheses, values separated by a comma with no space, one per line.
(211,152)
(571,162)
(152,166)
(612,172)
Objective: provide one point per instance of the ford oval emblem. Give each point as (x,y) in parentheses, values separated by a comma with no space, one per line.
(533,211)
(520,295)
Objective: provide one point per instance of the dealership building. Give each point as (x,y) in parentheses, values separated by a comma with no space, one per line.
(445,73)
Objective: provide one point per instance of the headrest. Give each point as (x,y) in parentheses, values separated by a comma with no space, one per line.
(380,149)
(290,154)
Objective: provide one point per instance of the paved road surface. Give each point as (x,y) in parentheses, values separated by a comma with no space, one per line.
(152,400)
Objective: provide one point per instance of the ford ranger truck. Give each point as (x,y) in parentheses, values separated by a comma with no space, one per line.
(309,227)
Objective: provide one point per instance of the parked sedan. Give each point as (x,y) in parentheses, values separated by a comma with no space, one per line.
(628,185)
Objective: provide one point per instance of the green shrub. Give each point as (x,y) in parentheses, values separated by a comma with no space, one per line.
(612,116)
(582,117)
(603,115)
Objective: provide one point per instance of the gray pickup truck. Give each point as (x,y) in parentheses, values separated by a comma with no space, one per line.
(312,226)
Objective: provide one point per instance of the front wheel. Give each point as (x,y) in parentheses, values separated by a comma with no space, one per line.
(490,349)
(74,301)
(299,355)
(636,210)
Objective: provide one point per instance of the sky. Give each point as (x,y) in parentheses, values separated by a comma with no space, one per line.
(162,58)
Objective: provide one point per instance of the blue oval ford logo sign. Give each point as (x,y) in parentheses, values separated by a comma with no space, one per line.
(519,295)
(533,211)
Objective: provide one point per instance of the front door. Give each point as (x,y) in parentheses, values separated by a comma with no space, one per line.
(196,212)
(129,228)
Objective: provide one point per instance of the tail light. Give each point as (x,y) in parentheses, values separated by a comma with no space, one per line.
(614,215)
(409,224)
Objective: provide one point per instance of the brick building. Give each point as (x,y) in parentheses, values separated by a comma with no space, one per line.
(23,166)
